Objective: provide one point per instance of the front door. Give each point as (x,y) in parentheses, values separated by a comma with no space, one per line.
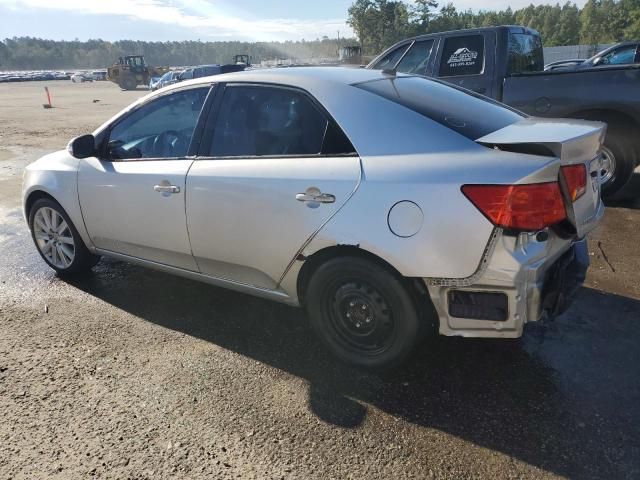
(276,170)
(133,197)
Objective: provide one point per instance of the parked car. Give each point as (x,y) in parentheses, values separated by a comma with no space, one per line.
(625,53)
(208,70)
(506,63)
(387,205)
(167,79)
(153,82)
(563,64)
(99,75)
(81,77)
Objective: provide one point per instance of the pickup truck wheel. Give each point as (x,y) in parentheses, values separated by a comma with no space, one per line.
(363,313)
(57,240)
(620,159)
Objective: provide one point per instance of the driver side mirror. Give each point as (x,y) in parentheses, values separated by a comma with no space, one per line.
(597,61)
(82,147)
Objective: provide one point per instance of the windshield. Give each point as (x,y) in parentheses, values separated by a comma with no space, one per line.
(471,115)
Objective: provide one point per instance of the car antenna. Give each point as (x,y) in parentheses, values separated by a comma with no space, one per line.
(389,71)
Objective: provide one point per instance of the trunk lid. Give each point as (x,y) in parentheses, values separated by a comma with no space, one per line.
(572,142)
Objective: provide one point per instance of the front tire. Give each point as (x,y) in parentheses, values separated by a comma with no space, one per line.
(128,83)
(364,313)
(57,240)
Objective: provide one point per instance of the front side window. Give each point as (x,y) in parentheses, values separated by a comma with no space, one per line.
(256,121)
(525,53)
(391,59)
(462,56)
(416,59)
(160,129)
(621,56)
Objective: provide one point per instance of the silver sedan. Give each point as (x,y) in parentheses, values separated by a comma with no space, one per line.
(390,206)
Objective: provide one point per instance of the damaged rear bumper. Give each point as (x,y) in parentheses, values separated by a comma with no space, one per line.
(525,278)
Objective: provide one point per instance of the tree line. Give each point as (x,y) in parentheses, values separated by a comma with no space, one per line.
(376,23)
(380,23)
(27,53)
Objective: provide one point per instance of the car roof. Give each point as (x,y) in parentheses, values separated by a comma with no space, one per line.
(303,77)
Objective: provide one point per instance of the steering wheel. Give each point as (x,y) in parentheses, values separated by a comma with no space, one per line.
(169,143)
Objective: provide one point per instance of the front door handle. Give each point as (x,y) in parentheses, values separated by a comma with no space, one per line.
(315,197)
(166,189)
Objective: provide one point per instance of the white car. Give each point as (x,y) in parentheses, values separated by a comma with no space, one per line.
(390,206)
(81,77)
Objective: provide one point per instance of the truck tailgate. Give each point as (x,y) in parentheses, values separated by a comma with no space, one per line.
(572,142)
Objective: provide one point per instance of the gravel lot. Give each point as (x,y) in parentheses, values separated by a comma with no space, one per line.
(130,373)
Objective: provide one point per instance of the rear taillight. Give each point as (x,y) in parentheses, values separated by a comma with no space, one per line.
(527,207)
(576,179)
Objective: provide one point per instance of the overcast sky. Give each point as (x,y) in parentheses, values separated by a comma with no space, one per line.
(189,19)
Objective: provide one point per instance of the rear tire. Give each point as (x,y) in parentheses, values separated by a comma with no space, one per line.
(57,240)
(364,314)
(622,157)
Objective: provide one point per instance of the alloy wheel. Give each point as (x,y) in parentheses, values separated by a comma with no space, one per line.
(608,170)
(54,238)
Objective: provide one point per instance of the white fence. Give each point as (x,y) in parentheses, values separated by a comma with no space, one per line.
(557,54)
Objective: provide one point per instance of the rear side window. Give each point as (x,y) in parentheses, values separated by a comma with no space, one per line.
(417,58)
(469,115)
(390,59)
(257,121)
(525,53)
(462,56)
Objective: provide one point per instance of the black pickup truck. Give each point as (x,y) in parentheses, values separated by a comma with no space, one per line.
(506,63)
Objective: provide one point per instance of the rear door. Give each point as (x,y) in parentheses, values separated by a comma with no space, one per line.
(272,170)
(466,60)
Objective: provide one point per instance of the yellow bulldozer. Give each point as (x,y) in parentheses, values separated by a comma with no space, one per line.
(131,71)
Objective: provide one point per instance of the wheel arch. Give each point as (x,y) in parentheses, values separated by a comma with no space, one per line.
(311,263)
(606,114)
(72,210)
(33,197)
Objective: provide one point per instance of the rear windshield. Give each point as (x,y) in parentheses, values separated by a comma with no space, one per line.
(525,53)
(468,114)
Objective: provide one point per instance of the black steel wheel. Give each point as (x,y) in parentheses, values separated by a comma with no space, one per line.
(363,312)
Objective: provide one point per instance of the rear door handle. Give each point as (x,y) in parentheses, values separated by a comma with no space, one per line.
(166,188)
(318,197)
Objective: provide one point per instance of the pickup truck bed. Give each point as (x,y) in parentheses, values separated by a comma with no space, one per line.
(506,63)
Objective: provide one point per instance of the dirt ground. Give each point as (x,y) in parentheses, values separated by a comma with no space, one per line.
(131,373)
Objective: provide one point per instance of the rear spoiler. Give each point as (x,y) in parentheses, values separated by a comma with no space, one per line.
(569,140)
